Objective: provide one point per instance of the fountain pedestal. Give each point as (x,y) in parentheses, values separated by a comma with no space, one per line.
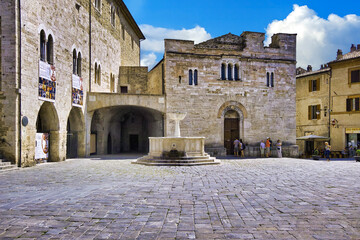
(176,150)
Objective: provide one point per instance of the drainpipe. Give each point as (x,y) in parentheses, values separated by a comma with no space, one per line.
(89,45)
(19,83)
(330,107)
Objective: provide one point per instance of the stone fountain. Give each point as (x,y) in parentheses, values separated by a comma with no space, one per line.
(176,150)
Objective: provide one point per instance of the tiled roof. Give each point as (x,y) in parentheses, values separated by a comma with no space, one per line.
(313,72)
(350,55)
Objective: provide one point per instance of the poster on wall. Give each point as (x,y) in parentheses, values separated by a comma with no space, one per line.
(41,147)
(47,82)
(77,91)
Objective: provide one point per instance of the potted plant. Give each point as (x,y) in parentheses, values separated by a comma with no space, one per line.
(316,154)
(357,155)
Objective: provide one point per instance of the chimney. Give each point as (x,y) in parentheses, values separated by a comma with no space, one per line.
(339,54)
(309,68)
(353,48)
(358,47)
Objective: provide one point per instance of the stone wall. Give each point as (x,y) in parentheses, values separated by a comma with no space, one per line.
(264,111)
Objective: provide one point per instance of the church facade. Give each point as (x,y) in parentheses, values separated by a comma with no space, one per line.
(71,85)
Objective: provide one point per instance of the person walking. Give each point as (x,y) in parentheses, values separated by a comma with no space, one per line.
(267,145)
(262,148)
(236,147)
(278,148)
(242,148)
(327,151)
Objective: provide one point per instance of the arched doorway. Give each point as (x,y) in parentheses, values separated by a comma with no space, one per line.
(231,130)
(75,139)
(47,132)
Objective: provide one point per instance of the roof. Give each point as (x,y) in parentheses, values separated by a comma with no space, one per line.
(130,19)
(230,40)
(313,72)
(348,56)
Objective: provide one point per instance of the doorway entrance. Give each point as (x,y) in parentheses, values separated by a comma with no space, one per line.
(231,130)
(134,143)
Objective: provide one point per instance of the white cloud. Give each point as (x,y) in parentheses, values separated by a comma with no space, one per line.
(148,60)
(317,38)
(153,46)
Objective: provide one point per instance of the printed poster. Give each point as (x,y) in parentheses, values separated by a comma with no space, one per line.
(47,82)
(41,146)
(77,91)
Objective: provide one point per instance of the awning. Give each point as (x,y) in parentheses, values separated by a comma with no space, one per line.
(313,138)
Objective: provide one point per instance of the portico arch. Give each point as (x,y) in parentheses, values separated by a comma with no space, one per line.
(75,140)
(47,123)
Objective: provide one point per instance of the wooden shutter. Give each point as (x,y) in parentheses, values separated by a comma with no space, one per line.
(318,110)
(357,107)
(355,76)
(349,104)
(310,85)
(309,112)
(317,84)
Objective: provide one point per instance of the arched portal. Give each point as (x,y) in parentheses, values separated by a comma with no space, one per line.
(124,129)
(75,140)
(47,130)
(231,130)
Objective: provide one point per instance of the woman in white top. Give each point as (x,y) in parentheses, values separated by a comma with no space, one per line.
(278,148)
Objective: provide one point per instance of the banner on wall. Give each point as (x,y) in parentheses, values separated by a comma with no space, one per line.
(41,146)
(47,82)
(77,91)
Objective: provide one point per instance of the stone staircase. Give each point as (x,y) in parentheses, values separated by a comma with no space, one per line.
(7,166)
(182,161)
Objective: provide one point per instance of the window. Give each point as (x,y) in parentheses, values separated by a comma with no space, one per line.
(112,15)
(79,65)
(314,112)
(98,4)
(355,76)
(230,72)
(270,79)
(223,71)
(123,32)
(314,85)
(49,50)
(190,77)
(124,89)
(75,62)
(237,77)
(42,46)
(352,104)
(112,82)
(132,44)
(97,73)
(195,77)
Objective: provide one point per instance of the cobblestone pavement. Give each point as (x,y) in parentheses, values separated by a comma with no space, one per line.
(239,199)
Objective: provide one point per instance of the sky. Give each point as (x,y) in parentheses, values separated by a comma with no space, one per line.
(322,27)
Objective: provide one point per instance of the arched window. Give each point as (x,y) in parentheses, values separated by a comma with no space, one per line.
(113,15)
(96,74)
(98,4)
(74,62)
(99,75)
(195,77)
(237,76)
(49,50)
(223,71)
(42,46)
(272,80)
(190,77)
(268,79)
(112,82)
(79,65)
(230,77)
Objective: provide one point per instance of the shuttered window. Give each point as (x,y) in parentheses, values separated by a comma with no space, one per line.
(314,85)
(314,112)
(355,76)
(352,104)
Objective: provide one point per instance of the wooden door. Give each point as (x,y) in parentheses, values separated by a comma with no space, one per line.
(231,132)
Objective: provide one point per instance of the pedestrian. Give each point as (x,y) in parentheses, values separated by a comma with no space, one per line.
(267,145)
(242,148)
(262,148)
(327,151)
(236,147)
(278,148)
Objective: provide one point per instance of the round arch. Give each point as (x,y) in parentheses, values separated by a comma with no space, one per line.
(75,140)
(47,126)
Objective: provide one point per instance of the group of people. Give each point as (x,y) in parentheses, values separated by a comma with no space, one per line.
(327,151)
(265,147)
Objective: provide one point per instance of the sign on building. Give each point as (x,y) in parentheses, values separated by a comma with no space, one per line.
(41,146)
(77,91)
(47,82)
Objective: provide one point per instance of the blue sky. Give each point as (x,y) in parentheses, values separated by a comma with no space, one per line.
(322,26)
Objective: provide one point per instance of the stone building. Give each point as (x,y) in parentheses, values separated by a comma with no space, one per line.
(328,102)
(232,87)
(71,84)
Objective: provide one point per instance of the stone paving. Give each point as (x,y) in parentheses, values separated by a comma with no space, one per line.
(239,199)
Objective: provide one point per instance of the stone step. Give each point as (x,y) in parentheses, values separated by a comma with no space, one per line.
(176,164)
(176,160)
(5,163)
(183,161)
(7,166)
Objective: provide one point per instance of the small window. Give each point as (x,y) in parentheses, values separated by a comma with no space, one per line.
(314,112)
(230,77)
(355,76)
(223,71)
(314,85)
(237,76)
(79,65)
(132,44)
(75,62)
(195,77)
(99,75)
(96,73)
(268,79)
(112,15)
(352,104)
(190,77)
(98,4)
(42,46)
(124,89)
(112,82)
(49,50)
(123,32)
(272,79)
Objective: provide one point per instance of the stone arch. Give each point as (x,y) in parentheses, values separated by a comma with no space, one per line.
(232,105)
(75,140)
(48,122)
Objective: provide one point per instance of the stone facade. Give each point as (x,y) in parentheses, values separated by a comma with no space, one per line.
(262,111)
